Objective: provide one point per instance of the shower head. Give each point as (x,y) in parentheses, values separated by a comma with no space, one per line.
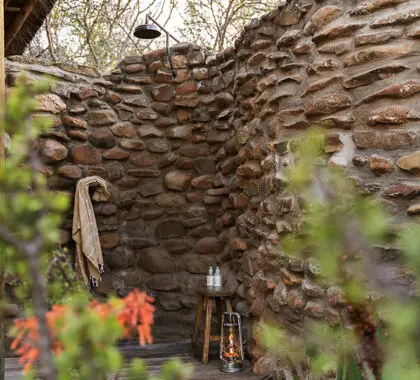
(147,32)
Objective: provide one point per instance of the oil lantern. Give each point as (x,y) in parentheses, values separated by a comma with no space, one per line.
(231,351)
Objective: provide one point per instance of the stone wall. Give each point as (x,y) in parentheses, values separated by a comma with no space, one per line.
(195,162)
(350,67)
(148,135)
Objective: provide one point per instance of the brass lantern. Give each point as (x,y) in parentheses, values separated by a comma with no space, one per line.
(231,351)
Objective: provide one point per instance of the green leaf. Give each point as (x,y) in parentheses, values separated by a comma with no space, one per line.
(353,371)
(137,370)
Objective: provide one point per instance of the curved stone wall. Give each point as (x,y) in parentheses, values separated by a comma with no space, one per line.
(350,67)
(195,161)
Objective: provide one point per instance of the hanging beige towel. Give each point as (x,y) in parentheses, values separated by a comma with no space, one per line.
(89,261)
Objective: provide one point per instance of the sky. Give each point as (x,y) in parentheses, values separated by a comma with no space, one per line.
(175,22)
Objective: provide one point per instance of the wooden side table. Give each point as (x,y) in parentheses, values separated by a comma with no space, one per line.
(206,297)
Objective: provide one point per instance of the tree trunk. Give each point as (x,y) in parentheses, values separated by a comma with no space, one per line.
(50,40)
(47,370)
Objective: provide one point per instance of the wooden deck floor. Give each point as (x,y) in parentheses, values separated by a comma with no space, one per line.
(156,355)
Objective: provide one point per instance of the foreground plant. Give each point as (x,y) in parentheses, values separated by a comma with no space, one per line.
(84,334)
(340,226)
(76,338)
(30,214)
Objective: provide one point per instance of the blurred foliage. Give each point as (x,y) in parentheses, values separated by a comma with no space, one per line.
(61,277)
(340,225)
(85,337)
(28,208)
(83,334)
(173,369)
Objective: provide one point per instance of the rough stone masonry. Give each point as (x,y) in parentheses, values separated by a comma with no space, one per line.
(195,163)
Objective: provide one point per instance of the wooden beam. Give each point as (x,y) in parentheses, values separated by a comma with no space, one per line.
(13,9)
(19,21)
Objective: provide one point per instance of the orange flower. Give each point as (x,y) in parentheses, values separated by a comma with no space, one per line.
(135,315)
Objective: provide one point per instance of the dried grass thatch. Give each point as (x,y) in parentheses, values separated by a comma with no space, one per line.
(22,19)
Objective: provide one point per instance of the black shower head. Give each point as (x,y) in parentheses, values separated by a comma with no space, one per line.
(147,32)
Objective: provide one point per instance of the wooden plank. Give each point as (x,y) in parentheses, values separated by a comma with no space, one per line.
(228,305)
(197,321)
(219,310)
(209,305)
(157,345)
(210,371)
(132,349)
(222,292)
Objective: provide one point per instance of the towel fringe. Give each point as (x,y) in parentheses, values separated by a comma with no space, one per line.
(93,282)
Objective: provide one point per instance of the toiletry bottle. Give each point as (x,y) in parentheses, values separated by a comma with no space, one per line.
(210,278)
(217,279)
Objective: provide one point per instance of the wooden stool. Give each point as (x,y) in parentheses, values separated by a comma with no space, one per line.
(205,301)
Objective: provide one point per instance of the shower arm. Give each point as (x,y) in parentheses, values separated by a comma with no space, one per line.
(148,17)
(168,53)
